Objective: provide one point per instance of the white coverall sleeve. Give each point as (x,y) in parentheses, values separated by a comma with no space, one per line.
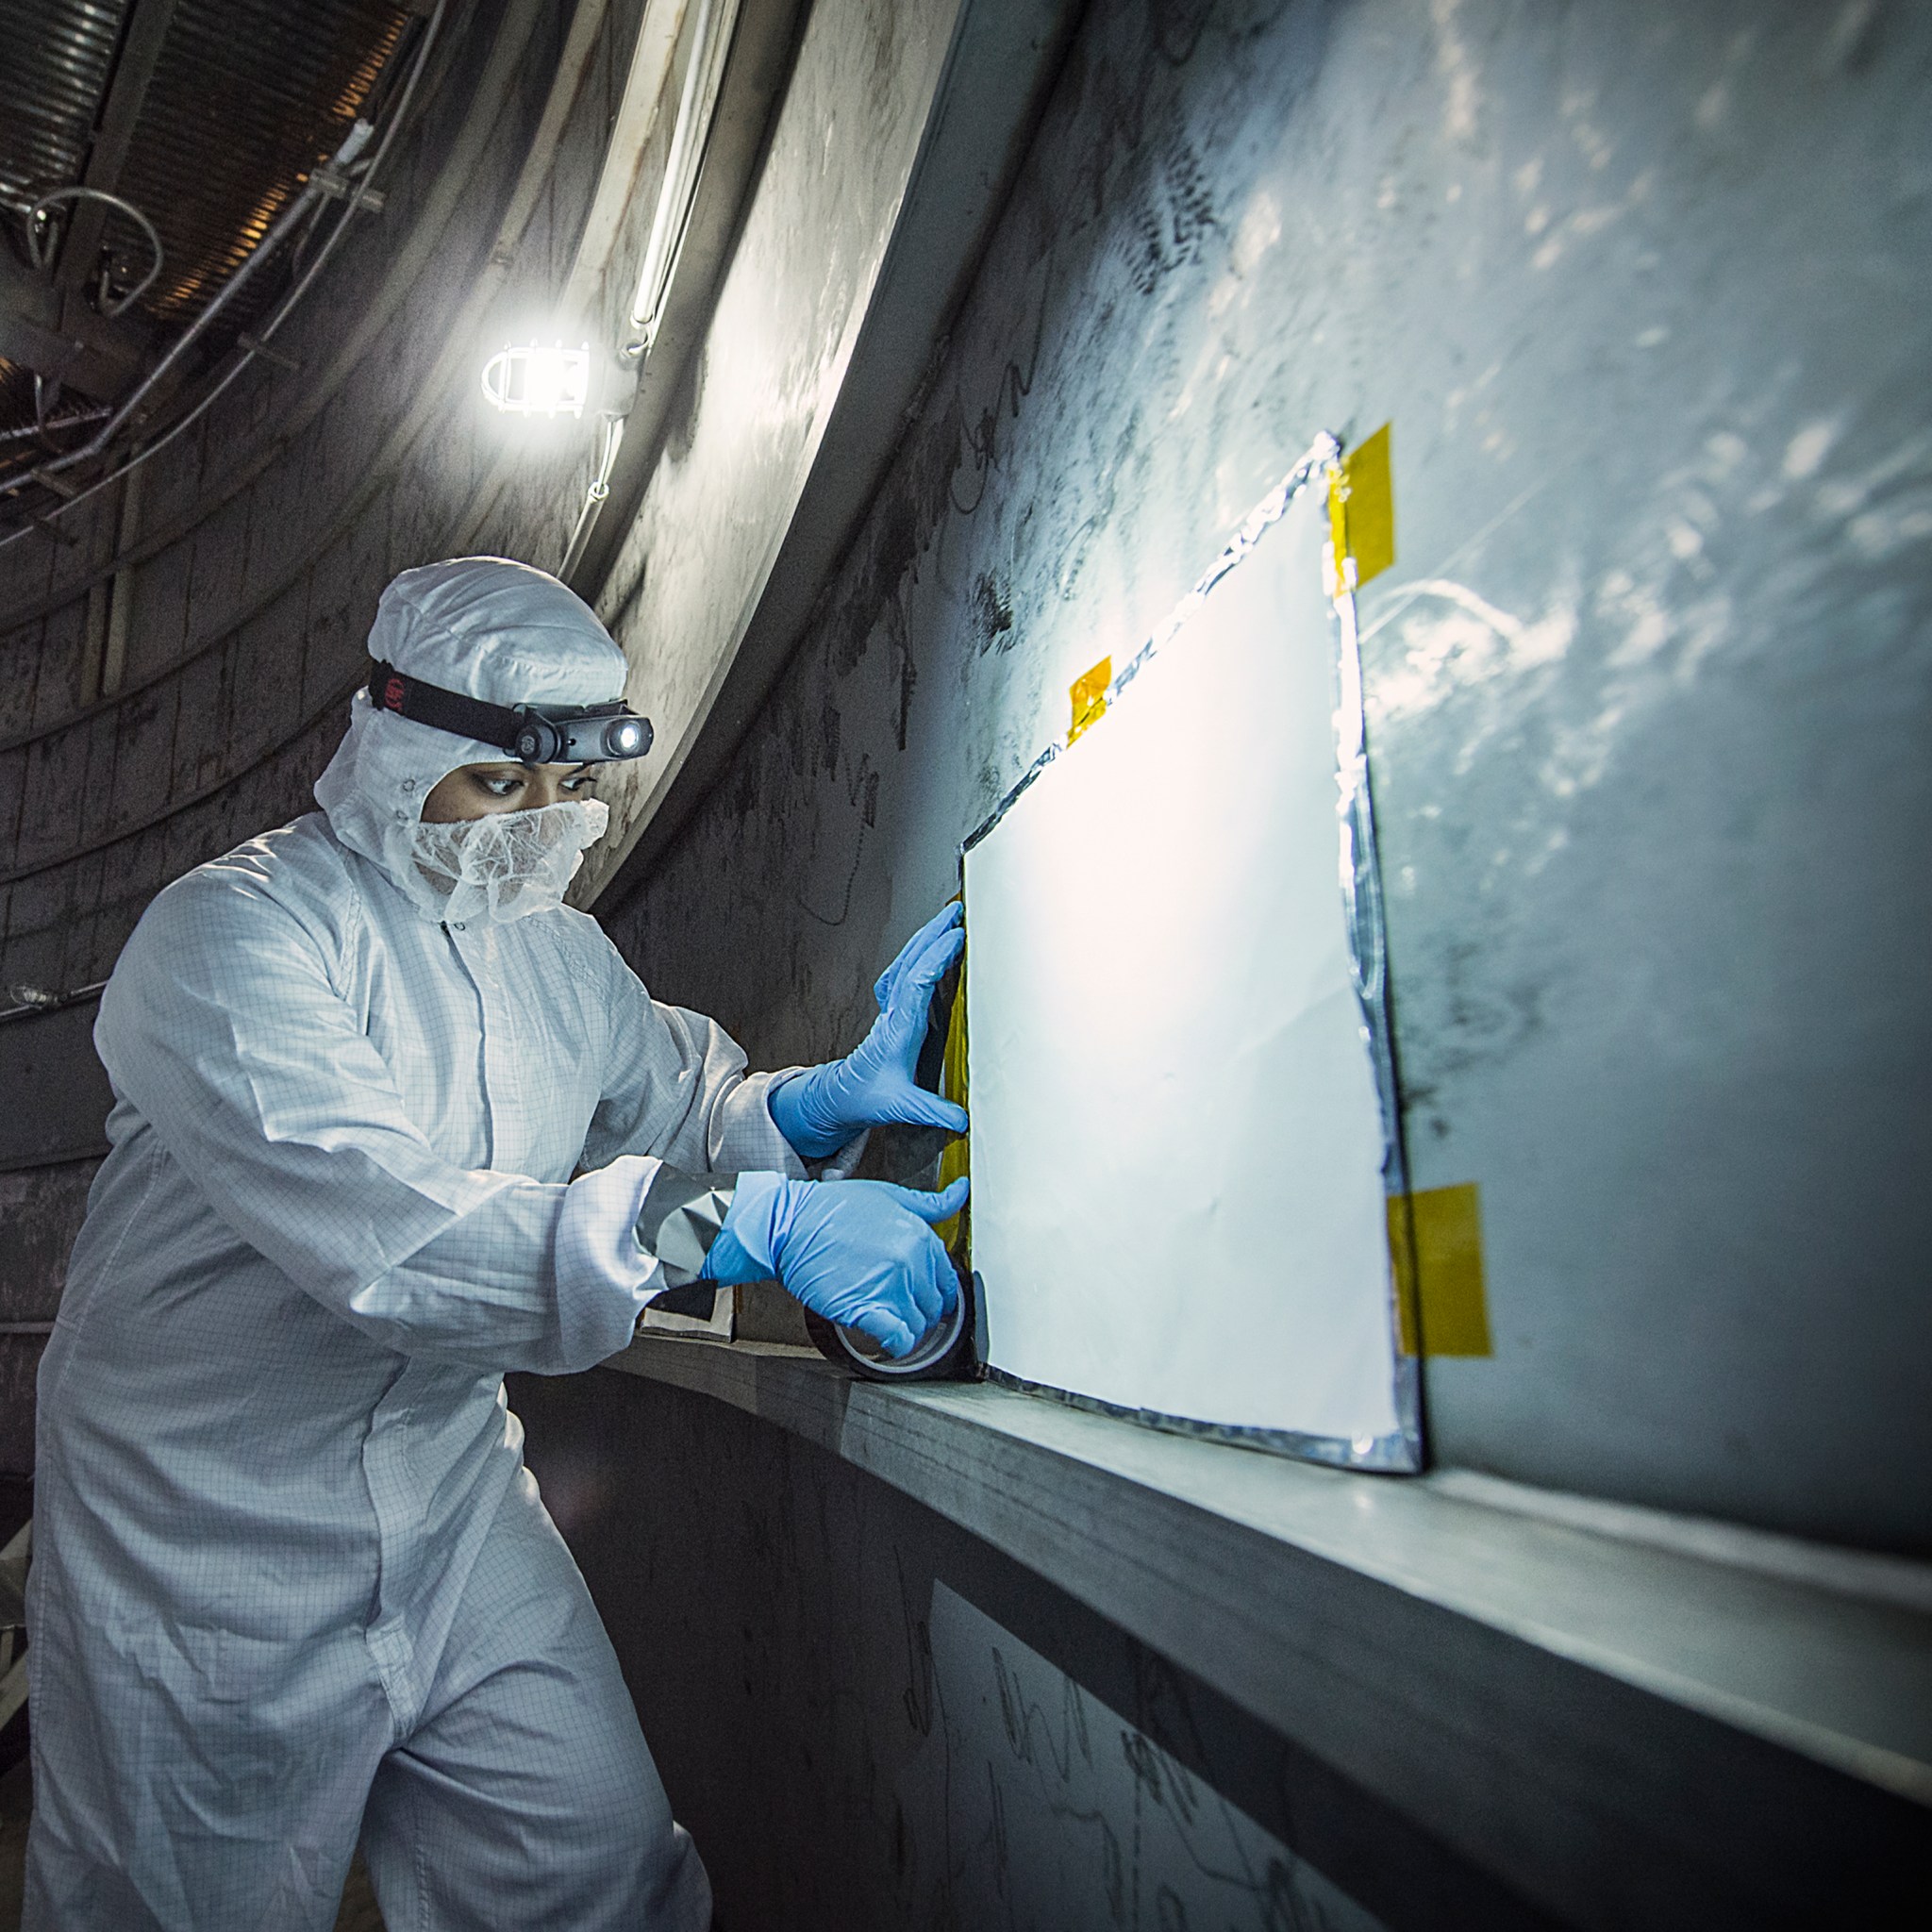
(675,1086)
(222,1027)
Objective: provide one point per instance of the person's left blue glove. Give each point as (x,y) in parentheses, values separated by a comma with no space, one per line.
(817,1111)
(862,1254)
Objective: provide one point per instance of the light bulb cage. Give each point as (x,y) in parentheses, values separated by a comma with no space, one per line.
(533,379)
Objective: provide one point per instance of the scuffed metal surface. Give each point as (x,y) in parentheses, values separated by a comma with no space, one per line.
(40,1212)
(50,1056)
(1642,291)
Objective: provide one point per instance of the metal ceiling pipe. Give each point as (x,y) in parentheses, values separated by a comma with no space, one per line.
(328,180)
(697,106)
(284,224)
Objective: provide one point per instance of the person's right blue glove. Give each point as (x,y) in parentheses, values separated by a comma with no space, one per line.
(862,1254)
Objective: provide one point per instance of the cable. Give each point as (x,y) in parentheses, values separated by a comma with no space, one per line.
(352,201)
(34,999)
(38,214)
(593,498)
(263,252)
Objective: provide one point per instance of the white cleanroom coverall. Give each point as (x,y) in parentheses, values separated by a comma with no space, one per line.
(291,1580)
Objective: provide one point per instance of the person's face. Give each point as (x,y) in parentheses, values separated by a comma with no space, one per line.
(475,792)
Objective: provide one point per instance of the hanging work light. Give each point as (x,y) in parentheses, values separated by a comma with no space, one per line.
(532,380)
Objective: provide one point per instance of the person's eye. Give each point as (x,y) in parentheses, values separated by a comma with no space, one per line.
(578,783)
(501,788)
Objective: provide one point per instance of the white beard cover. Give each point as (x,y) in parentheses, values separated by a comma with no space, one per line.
(509,863)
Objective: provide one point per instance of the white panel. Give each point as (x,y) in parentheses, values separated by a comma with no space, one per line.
(1176,1149)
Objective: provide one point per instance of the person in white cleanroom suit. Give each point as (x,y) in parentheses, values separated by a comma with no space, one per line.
(292,1584)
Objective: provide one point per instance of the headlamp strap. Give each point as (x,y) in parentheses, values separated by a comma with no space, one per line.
(389,689)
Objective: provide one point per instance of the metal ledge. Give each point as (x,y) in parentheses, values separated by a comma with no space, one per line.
(1622,1732)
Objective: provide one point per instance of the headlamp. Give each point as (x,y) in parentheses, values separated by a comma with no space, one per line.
(535,734)
(562,735)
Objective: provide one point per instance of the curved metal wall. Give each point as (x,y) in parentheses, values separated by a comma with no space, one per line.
(1641,287)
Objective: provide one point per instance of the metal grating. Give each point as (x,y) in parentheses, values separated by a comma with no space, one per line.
(52,82)
(243,99)
(247,97)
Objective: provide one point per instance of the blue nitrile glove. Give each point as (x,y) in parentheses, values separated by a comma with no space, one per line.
(862,1254)
(820,1111)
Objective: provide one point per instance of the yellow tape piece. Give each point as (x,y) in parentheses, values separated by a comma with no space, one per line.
(1436,1244)
(1361,514)
(1088,693)
(955,1158)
